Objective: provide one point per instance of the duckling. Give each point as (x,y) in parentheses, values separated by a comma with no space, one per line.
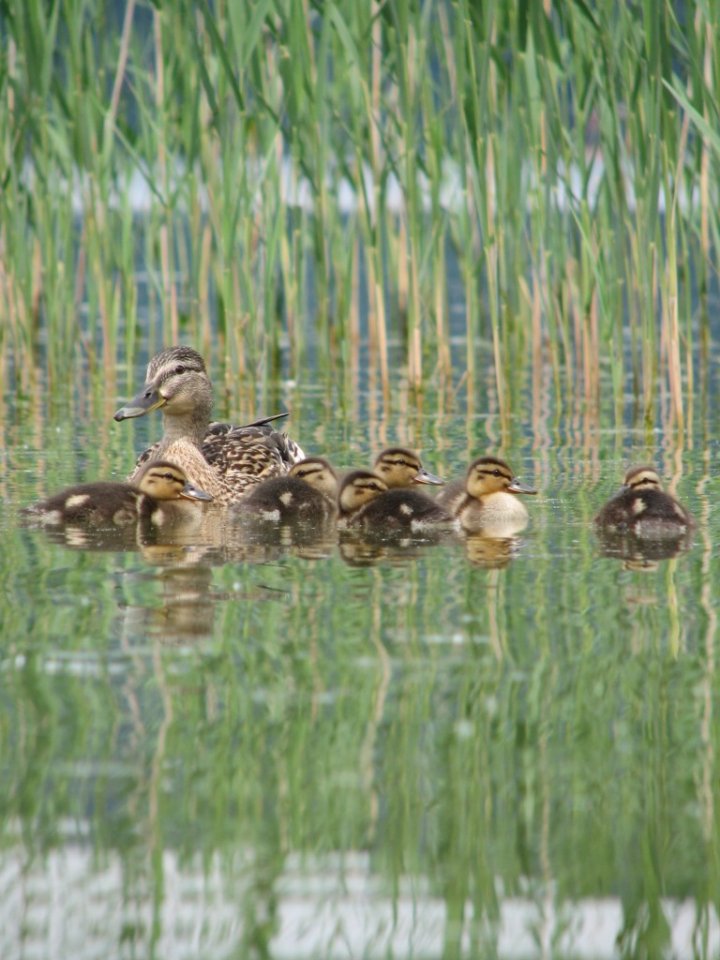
(221,458)
(308,493)
(642,508)
(488,503)
(365,502)
(159,498)
(400,467)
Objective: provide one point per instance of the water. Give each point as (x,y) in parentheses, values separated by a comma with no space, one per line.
(457,751)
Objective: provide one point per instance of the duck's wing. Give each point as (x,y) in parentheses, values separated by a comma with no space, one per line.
(225,443)
(243,458)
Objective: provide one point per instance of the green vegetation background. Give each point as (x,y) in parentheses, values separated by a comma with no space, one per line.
(283,185)
(296,174)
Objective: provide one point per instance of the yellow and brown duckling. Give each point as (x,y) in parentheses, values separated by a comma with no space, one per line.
(400,467)
(487,500)
(307,494)
(163,495)
(642,508)
(366,503)
(220,458)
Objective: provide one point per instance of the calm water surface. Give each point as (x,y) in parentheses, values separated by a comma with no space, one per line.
(481,749)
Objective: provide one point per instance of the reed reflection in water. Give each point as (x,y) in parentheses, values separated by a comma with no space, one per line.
(342,746)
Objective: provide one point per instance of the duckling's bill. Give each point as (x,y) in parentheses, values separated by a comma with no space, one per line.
(517,486)
(191,492)
(424,476)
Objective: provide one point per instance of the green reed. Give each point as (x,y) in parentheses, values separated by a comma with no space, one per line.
(559,126)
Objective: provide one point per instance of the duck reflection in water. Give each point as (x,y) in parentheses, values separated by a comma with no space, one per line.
(358,549)
(641,553)
(183,602)
(492,553)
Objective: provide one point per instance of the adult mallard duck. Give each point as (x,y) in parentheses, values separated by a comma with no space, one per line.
(223,459)
(486,501)
(307,494)
(162,496)
(400,467)
(365,502)
(642,508)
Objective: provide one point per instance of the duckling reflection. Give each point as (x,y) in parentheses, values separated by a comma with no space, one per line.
(492,553)
(644,510)
(641,553)
(361,549)
(486,502)
(253,541)
(91,539)
(183,608)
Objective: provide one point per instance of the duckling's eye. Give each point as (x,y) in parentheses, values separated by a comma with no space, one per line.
(497,473)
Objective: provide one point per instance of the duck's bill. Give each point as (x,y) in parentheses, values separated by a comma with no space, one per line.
(425,477)
(191,492)
(516,486)
(140,405)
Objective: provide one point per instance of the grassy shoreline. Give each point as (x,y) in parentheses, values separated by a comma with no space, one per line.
(307,175)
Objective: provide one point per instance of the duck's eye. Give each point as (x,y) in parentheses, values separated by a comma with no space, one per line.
(497,473)
(179,369)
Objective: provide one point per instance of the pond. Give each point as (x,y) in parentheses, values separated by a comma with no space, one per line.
(445,750)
